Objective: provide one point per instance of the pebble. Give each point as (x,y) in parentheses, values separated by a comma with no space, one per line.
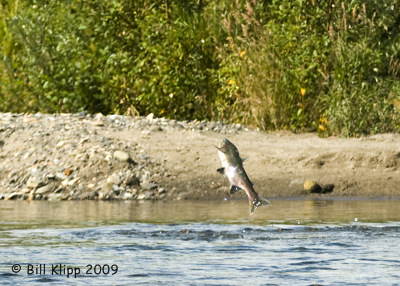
(12,196)
(44,189)
(73,181)
(121,155)
(149,186)
(33,184)
(61,176)
(98,123)
(146,195)
(127,196)
(132,180)
(114,179)
(54,197)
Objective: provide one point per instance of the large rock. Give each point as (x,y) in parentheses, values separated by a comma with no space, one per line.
(312,186)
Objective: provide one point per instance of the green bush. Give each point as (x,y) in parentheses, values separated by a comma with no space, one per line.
(112,57)
(362,89)
(278,59)
(327,66)
(314,65)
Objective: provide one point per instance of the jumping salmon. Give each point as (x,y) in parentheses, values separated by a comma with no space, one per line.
(232,167)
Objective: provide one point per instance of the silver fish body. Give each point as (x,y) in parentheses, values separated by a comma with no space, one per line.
(232,167)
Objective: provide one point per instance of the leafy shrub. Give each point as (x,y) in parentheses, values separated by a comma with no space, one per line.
(112,56)
(298,65)
(361,88)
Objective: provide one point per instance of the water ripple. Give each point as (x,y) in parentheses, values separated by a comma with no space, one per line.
(210,253)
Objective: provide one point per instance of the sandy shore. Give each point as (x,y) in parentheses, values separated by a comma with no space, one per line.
(75,157)
(279,163)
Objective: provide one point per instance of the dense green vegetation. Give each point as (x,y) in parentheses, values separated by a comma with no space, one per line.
(327,66)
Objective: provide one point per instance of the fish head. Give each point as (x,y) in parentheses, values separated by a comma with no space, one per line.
(228,153)
(227,147)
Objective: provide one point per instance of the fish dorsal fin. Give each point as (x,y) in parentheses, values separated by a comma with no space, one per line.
(234,189)
(221,171)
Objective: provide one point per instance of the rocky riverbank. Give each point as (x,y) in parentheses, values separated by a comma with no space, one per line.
(68,156)
(81,156)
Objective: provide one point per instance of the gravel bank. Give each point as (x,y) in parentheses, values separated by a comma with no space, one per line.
(69,157)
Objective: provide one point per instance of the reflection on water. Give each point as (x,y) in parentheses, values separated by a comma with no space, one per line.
(73,213)
(200,243)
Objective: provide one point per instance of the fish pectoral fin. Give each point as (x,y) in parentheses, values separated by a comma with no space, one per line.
(221,171)
(234,189)
(260,201)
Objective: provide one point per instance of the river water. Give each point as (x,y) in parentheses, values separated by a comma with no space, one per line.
(301,242)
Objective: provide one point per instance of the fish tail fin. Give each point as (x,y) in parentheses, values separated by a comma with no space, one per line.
(260,201)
